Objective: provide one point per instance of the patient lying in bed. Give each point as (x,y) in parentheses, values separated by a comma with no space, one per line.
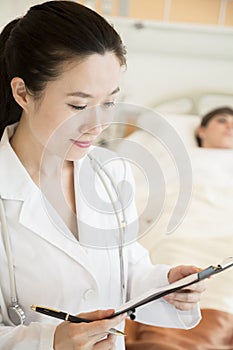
(204,237)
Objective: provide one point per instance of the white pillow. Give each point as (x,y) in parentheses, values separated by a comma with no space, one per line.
(209,102)
(184,124)
(180,105)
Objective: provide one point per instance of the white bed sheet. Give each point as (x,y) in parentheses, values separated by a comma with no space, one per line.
(205,236)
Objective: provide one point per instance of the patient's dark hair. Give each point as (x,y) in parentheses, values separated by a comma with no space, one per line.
(206,119)
(35,46)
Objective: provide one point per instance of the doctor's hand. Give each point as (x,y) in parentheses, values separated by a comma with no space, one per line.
(88,336)
(186,298)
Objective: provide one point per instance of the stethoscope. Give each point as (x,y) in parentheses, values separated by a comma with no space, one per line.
(15,311)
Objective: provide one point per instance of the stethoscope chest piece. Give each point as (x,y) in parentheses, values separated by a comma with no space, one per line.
(16,315)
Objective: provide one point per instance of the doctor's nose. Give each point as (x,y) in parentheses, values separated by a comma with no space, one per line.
(94,121)
(93,130)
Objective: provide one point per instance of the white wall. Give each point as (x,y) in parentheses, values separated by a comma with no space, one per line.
(151,79)
(10,9)
(168,60)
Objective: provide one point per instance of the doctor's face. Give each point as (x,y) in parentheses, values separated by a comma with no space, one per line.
(218,133)
(76,107)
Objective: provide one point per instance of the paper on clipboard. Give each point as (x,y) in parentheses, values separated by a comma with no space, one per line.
(156,293)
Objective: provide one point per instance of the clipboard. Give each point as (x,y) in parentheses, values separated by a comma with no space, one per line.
(154,294)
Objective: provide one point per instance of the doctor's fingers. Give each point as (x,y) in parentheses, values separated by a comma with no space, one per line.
(106,344)
(100,341)
(184,300)
(74,336)
(100,328)
(97,315)
(198,287)
(101,322)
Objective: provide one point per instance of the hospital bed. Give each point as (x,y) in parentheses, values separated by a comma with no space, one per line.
(203,236)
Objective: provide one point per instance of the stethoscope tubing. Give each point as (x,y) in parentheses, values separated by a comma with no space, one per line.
(6,239)
(121,223)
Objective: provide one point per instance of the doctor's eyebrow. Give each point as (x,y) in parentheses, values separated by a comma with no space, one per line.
(85,95)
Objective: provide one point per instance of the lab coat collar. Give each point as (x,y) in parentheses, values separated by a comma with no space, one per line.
(36,214)
(15,182)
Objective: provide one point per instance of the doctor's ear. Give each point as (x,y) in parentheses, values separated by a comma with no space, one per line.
(19,92)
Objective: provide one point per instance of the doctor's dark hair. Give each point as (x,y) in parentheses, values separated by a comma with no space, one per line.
(207,118)
(36,46)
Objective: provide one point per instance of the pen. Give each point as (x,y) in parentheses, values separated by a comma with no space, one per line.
(67,317)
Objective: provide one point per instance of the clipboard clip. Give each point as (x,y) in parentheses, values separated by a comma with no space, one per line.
(131,314)
(212,270)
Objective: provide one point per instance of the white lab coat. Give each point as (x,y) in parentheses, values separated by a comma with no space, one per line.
(53,269)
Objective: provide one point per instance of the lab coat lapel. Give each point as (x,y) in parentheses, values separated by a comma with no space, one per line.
(40,218)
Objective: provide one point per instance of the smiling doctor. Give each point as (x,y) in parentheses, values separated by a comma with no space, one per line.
(60,71)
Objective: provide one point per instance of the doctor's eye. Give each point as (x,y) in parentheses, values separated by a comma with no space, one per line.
(109,104)
(77,108)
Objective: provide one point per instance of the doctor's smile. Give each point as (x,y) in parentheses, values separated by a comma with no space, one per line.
(82,144)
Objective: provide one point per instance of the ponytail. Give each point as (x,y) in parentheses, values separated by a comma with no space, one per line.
(10,111)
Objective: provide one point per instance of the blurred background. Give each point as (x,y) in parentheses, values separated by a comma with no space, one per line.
(180,52)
